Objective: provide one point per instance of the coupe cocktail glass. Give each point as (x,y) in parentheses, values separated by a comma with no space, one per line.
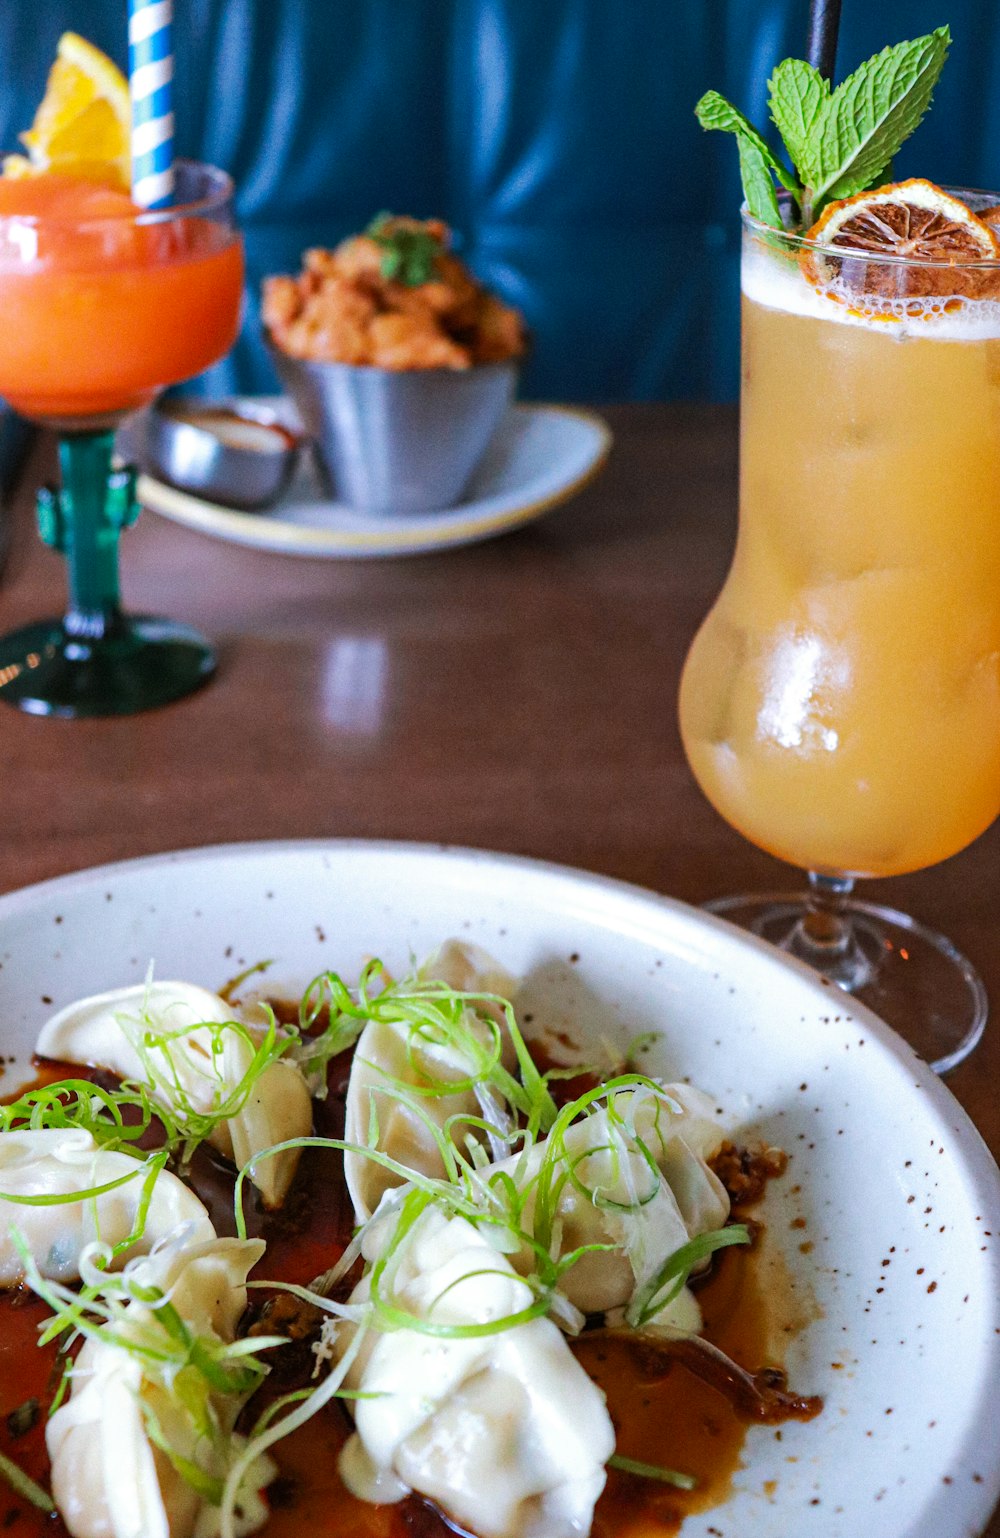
(103,305)
(840,705)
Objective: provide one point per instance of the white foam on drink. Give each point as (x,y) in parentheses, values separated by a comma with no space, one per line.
(779,284)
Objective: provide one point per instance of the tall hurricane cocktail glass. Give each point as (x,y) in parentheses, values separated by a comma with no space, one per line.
(102,306)
(840,705)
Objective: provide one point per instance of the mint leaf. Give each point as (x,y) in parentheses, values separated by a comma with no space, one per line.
(758,188)
(714,111)
(799,96)
(871,113)
(757,160)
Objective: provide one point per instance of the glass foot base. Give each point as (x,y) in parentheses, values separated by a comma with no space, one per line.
(139,663)
(912,976)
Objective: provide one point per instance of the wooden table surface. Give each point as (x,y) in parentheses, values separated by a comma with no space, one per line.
(517,695)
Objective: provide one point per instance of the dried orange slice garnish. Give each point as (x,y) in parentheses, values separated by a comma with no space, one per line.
(934,231)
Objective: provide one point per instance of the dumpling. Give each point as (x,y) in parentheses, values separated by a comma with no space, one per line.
(277,1109)
(388,1055)
(109,1478)
(646,1214)
(469,968)
(56,1162)
(505,1432)
(105,1032)
(683,1144)
(383,1061)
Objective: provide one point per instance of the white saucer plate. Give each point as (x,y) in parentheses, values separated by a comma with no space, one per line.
(890,1189)
(541,456)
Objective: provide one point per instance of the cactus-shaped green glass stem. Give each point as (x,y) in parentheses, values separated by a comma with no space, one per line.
(83,519)
(96,660)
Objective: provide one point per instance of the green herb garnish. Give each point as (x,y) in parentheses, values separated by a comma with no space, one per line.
(519,1208)
(653,1471)
(194,1374)
(79,1105)
(23,1485)
(270,1430)
(408,253)
(664,1286)
(432,1016)
(838,142)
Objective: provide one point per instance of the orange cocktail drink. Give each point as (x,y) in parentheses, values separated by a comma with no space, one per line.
(841,704)
(101,304)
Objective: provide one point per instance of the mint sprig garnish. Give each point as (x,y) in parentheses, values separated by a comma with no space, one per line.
(839,142)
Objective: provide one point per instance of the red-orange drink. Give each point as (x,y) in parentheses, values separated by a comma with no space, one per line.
(100,311)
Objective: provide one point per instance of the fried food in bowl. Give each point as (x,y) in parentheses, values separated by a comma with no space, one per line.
(395,297)
(401,364)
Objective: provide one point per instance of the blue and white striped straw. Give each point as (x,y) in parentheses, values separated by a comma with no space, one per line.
(151,80)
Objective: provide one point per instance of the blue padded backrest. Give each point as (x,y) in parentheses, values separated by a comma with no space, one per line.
(555,135)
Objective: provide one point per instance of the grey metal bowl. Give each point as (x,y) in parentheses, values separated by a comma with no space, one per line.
(398,441)
(241,457)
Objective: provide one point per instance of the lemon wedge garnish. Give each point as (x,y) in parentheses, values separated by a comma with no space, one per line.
(82,126)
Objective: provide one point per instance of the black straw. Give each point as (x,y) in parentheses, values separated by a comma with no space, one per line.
(824,24)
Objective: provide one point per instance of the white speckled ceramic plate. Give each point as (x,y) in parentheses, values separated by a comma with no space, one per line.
(894,1312)
(541,456)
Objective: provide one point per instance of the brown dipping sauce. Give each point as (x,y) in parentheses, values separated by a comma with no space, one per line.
(671,1404)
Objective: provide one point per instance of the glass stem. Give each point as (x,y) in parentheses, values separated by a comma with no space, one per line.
(825,924)
(825,936)
(83,520)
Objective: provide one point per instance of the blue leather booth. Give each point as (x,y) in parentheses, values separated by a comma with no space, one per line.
(555,135)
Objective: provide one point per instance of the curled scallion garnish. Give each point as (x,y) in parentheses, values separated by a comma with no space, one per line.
(663,1287)
(80,1105)
(653,1471)
(202,1375)
(431,1016)
(184,1077)
(271,1429)
(23,1485)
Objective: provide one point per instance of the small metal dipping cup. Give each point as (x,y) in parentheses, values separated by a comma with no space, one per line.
(240,457)
(398,441)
